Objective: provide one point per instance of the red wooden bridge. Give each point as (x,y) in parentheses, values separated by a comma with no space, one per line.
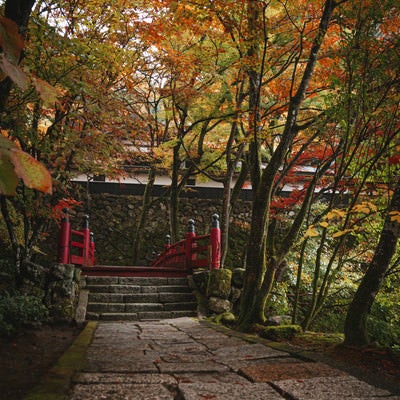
(178,259)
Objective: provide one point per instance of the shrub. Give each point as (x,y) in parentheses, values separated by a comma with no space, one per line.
(19,310)
(278,303)
(385,333)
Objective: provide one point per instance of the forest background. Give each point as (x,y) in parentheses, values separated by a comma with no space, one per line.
(247,91)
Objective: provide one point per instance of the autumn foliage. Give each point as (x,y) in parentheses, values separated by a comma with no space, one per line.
(298,101)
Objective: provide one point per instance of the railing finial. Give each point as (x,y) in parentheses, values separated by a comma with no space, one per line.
(215,221)
(85,223)
(191,227)
(65,211)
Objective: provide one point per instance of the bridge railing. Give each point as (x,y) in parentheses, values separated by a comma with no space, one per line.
(75,246)
(193,251)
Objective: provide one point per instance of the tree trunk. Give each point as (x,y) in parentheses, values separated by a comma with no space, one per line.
(146,203)
(255,266)
(263,180)
(226,211)
(296,302)
(174,196)
(355,328)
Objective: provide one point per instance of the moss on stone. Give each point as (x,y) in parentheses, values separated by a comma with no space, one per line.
(226,318)
(279,332)
(219,283)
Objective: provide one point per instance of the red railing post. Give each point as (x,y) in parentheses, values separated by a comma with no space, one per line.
(92,250)
(215,243)
(190,235)
(86,239)
(64,239)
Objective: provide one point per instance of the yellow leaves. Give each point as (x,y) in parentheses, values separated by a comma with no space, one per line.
(365,207)
(341,233)
(395,216)
(47,92)
(335,213)
(341,222)
(14,164)
(311,232)
(32,172)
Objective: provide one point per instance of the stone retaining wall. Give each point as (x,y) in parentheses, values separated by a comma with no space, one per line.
(113,220)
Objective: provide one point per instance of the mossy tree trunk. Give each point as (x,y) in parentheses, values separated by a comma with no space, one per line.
(355,328)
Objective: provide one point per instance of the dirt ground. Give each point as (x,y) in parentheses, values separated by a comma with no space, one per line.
(372,363)
(27,357)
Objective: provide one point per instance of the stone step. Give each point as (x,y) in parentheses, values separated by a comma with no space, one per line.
(124,298)
(140,316)
(176,297)
(128,289)
(122,307)
(192,306)
(124,289)
(137,298)
(137,281)
(140,297)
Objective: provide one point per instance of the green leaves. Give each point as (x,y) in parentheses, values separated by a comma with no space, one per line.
(14,164)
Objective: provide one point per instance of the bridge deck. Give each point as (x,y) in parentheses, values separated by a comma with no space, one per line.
(119,270)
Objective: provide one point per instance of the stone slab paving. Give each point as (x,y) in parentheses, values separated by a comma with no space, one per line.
(281,371)
(211,377)
(253,366)
(118,391)
(132,378)
(184,359)
(224,391)
(328,388)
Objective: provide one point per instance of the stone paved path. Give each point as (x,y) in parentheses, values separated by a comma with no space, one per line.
(184,359)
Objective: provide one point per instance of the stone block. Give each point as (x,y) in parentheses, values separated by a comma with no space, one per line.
(142,307)
(218,305)
(106,307)
(118,316)
(200,279)
(101,280)
(219,283)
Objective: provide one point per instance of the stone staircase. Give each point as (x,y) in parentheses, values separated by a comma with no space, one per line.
(138,298)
